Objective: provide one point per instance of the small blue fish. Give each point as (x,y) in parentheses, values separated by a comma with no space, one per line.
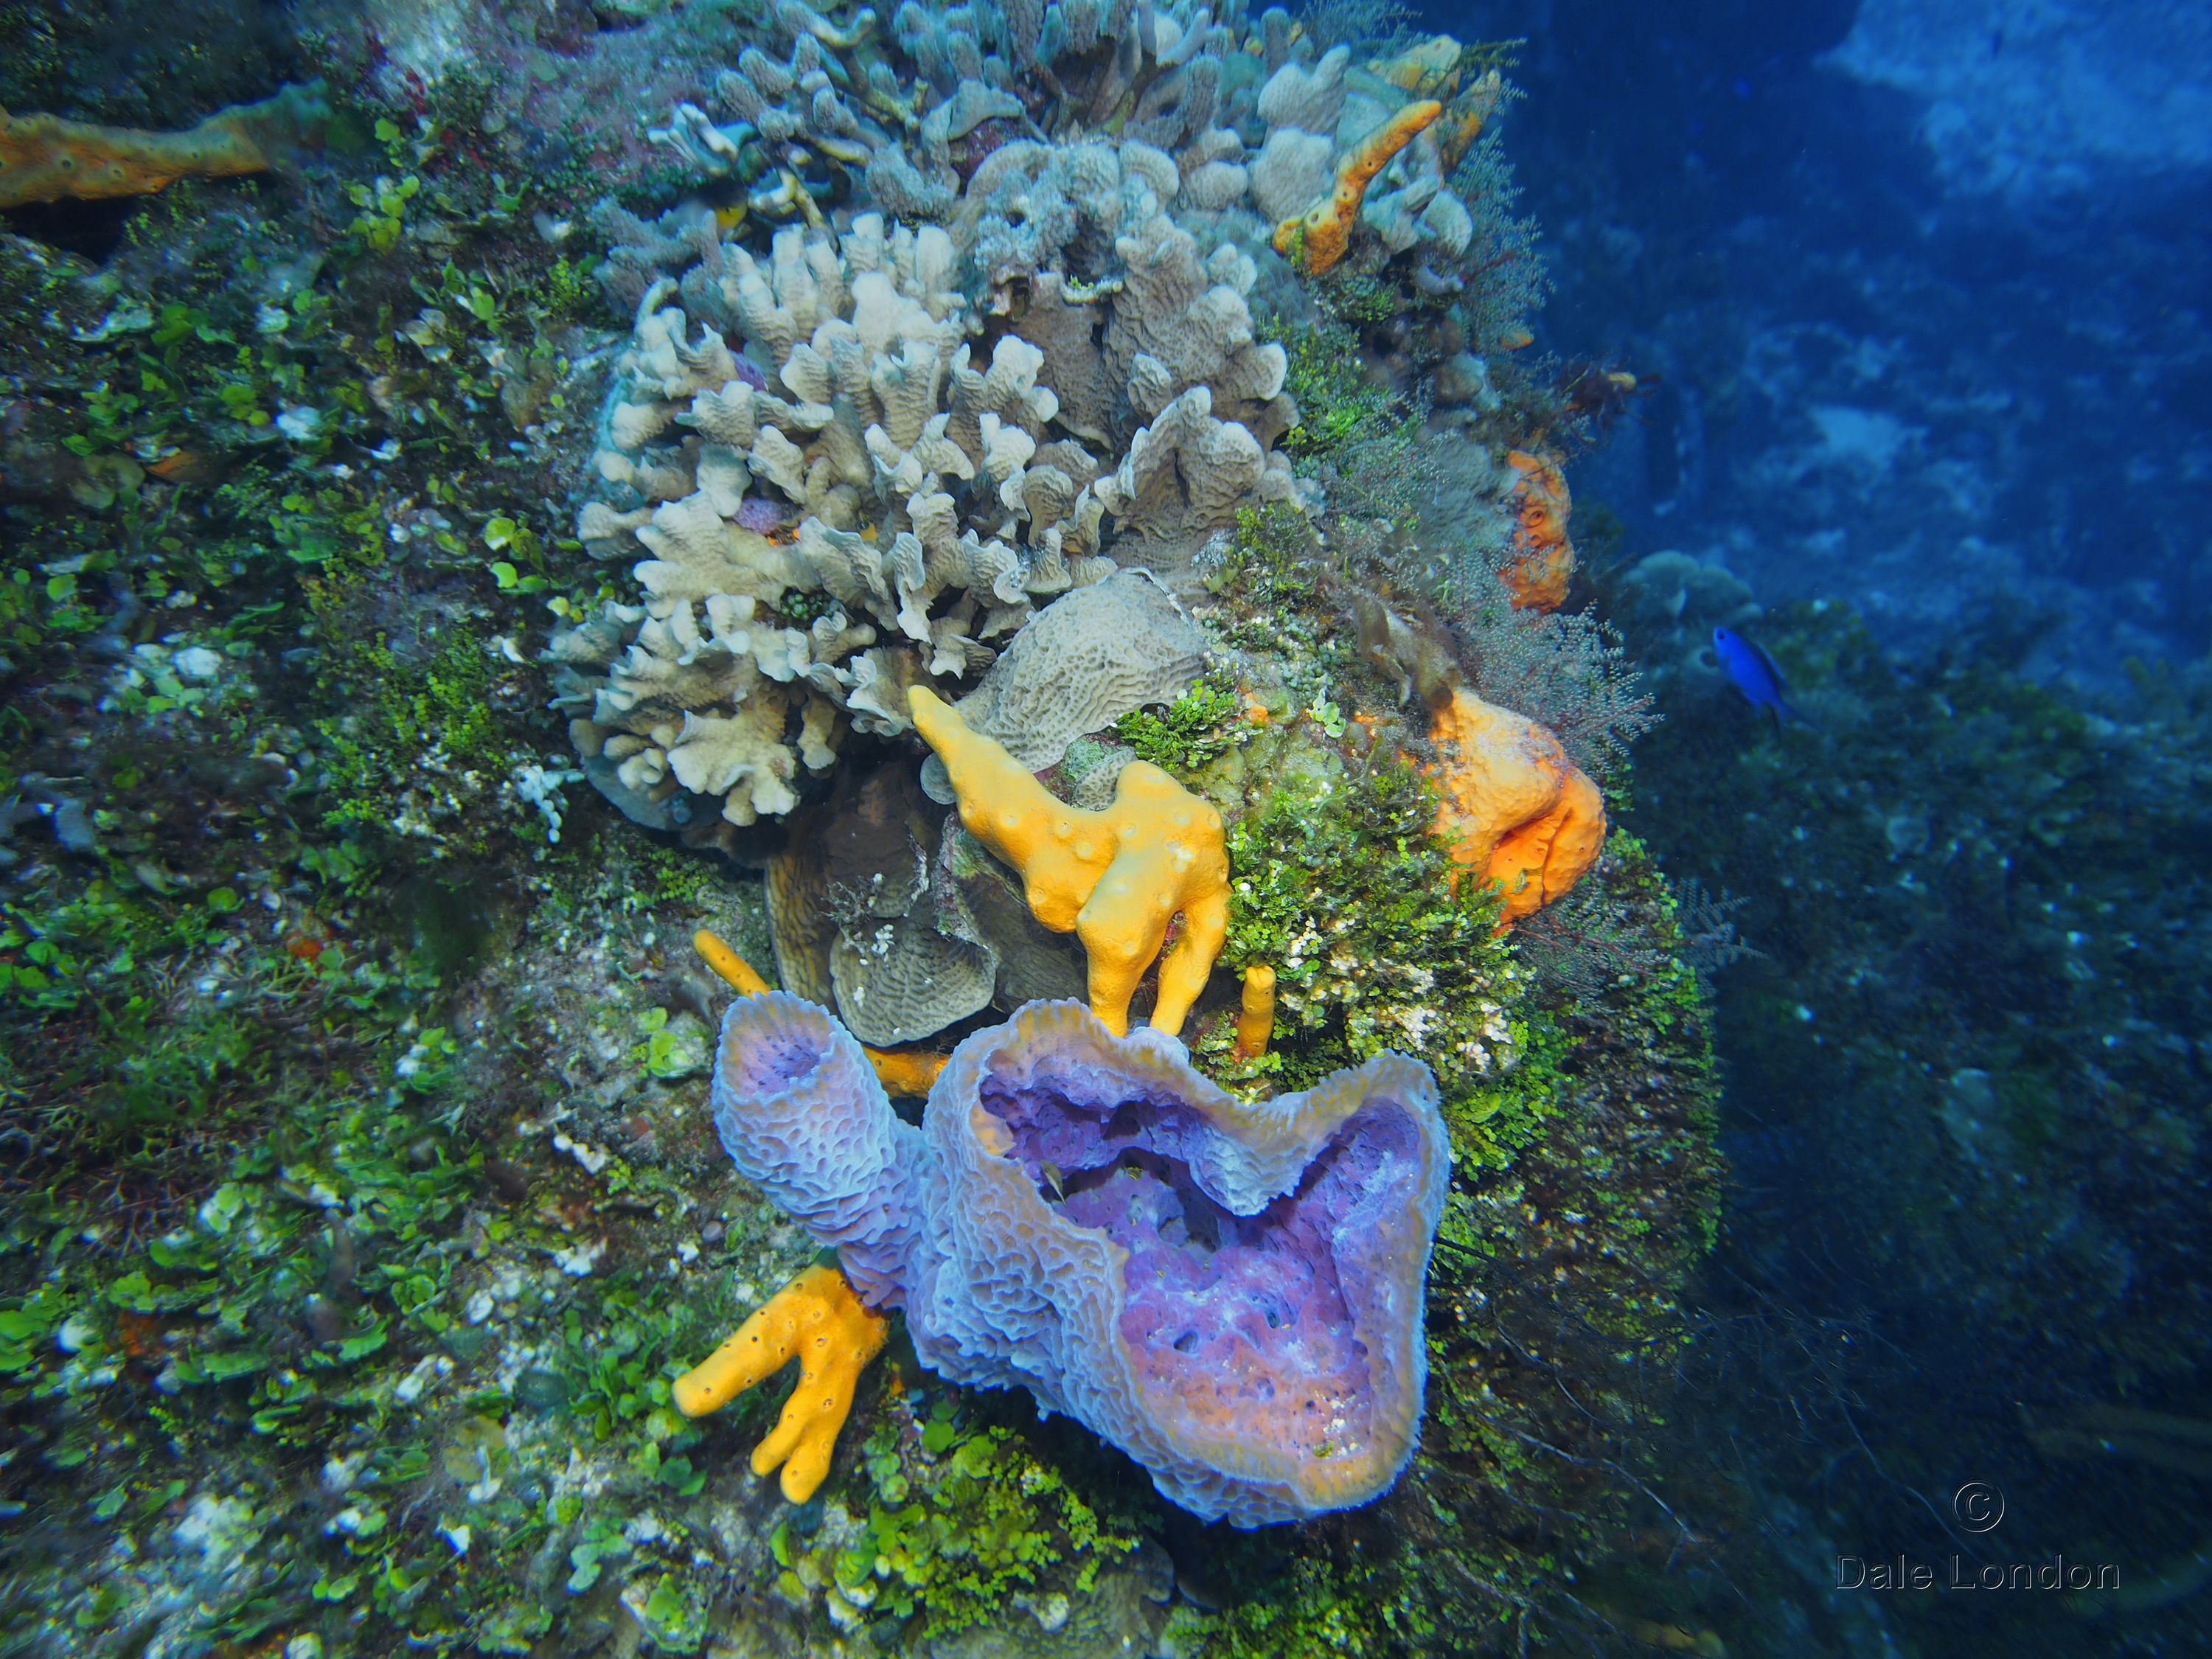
(1754,673)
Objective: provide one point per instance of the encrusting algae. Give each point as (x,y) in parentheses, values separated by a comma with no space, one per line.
(1115,878)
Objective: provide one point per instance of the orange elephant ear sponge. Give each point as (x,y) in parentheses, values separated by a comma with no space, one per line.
(1514,807)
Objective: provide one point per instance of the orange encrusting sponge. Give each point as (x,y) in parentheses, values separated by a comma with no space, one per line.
(1514,807)
(817,1320)
(44,158)
(1539,578)
(1115,878)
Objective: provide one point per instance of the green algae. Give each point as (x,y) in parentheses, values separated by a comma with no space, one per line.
(1193,732)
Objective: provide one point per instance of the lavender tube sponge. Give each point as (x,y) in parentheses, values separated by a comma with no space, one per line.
(801,1114)
(1231,1293)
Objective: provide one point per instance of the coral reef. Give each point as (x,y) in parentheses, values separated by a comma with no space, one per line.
(1669,604)
(1228,1292)
(815,1320)
(2007,1179)
(1117,877)
(44,158)
(365,1208)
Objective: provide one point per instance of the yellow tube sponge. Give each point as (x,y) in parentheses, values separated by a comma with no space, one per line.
(906,1071)
(1317,239)
(1114,878)
(1514,807)
(1255,1021)
(44,158)
(817,1320)
(740,973)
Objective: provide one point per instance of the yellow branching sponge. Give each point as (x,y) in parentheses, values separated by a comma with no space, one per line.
(1514,807)
(44,158)
(817,1320)
(1116,879)
(1319,237)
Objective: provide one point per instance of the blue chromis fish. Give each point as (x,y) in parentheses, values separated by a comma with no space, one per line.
(1752,671)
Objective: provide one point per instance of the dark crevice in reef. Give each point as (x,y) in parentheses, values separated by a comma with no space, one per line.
(92,230)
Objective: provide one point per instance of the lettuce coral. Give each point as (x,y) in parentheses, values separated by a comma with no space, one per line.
(1229,1293)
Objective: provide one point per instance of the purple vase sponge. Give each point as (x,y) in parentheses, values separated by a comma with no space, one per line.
(1231,1293)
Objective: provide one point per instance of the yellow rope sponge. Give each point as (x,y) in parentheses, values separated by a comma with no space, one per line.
(1114,878)
(903,1072)
(1317,239)
(818,1321)
(906,1071)
(1514,807)
(1255,1023)
(734,969)
(44,158)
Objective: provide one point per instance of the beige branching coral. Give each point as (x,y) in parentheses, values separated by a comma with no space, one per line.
(841,506)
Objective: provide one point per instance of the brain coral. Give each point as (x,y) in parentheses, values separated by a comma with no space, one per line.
(1229,1293)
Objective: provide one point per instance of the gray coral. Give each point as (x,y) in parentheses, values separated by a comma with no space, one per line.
(1083,662)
